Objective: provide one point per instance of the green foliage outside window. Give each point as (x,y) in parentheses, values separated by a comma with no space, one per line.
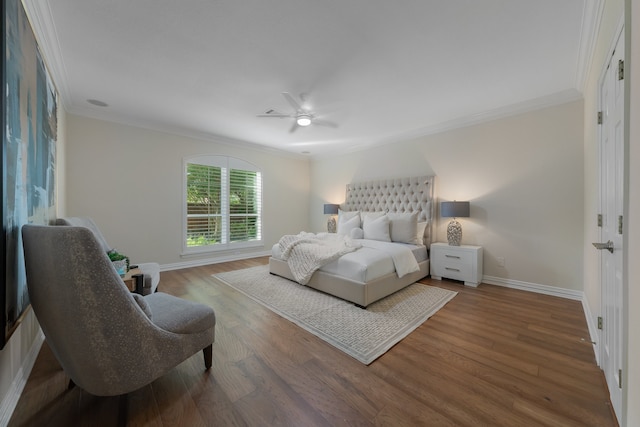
(203,205)
(215,214)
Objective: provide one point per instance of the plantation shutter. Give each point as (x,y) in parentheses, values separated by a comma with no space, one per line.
(223,204)
(244,205)
(204,205)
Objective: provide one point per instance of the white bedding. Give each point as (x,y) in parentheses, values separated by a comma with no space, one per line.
(307,252)
(403,260)
(372,260)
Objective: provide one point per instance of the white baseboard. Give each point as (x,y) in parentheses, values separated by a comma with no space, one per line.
(13,395)
(534,287)
(593,329)
(214,260)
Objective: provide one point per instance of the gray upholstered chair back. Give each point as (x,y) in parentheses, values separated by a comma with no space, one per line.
(150,270)
(88,223)
(96,328)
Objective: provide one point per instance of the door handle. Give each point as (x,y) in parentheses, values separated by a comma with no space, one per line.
(608,246)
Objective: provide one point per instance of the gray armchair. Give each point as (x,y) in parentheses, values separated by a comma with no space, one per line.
(149,270)
(108,340)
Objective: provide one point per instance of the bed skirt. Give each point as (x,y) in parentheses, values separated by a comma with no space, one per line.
(359,293)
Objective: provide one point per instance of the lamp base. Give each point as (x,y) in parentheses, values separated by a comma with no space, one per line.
(454,233)
(331,224)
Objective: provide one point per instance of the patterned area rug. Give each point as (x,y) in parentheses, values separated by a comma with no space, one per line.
(364,334)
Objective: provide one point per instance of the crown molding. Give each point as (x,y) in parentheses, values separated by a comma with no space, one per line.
(554,99)
(183,132)
(591,18)
(41,19)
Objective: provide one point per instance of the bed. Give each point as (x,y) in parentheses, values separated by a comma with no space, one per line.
(368,273)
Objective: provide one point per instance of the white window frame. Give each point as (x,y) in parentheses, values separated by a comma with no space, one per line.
(226,163)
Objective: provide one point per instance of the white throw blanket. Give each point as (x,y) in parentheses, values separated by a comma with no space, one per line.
(403,259)
(307,252)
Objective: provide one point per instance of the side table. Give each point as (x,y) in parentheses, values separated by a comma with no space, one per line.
(134,279)
(462,262)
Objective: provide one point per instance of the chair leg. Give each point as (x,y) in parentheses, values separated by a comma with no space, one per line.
(208,356)
(123,409)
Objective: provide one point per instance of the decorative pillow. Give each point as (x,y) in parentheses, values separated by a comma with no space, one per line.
(345,215)
(371,215)
(346,225)
(376,228)
(420,235)
(356,233)
(404,227)
(142,304)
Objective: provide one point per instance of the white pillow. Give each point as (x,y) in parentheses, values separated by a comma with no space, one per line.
(404,227)
(347,214)
(376,229)
(356,233)
(346,225)
(372,215)
(420,235)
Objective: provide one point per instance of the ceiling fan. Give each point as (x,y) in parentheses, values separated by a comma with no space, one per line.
(302,116)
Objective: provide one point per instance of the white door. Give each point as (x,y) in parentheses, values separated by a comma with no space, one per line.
(611,208)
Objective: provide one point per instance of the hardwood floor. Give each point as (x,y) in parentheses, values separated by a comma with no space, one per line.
(491,357)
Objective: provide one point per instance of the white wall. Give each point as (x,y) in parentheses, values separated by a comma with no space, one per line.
(129,180)
(523,176)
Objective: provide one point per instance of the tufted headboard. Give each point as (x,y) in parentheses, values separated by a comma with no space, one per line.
(395,195)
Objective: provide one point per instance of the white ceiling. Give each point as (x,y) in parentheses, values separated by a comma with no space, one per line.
(382,70)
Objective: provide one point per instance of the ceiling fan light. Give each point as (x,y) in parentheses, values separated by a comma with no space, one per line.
(303,120)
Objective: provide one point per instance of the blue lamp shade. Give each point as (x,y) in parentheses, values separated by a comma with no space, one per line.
(453,209)
(331,209)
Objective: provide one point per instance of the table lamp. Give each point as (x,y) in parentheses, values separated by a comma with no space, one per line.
(332,210)
(454,210)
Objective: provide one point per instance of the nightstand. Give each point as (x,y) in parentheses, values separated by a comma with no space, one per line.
(462,262)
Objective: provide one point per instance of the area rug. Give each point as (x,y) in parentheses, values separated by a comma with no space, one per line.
(364,334)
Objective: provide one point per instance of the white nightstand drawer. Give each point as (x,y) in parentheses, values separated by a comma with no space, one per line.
(456,259)
(452,270)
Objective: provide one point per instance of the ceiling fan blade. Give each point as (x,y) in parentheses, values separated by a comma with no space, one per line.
(274,115)
(324,123)
(296,106)
(294,127)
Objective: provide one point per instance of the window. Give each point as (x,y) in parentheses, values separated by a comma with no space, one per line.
(223,204)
